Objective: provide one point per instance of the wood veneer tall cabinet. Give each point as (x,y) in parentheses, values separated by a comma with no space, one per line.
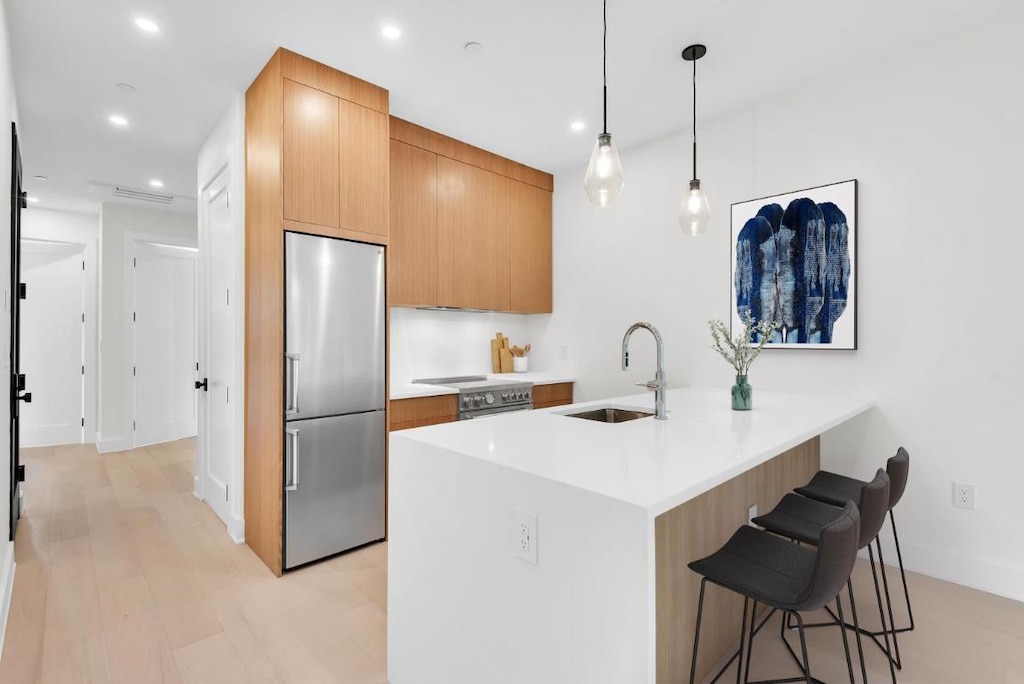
(469,228)
(316,161)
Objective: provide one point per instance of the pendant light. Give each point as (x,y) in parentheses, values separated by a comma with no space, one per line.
(604,179)
(695,213)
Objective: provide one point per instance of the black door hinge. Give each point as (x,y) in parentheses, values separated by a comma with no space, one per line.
(22,291)
(21,473)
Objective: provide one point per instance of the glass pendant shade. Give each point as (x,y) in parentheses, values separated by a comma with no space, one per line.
(604,180)
(695,212)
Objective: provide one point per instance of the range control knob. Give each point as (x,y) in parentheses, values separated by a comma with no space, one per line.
(519,396)
(466,401)
(489,398)
(526,394)
(479,400)
(504,396)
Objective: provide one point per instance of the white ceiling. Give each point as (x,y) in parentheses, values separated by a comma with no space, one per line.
(540,69)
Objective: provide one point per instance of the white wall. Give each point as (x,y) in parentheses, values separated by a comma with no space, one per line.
(934,140)
(8,113)
(70,226)
(225,147)
(431,344)
(115,220)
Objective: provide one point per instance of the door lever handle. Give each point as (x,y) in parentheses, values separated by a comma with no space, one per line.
(204,385)
(26,397)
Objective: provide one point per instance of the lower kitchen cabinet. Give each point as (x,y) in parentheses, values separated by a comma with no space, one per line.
(546,396)
(420,411)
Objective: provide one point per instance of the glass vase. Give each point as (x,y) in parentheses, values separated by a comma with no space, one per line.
(742,394)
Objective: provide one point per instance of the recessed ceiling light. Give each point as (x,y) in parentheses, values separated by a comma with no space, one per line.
(156,183)
(473,46)
(578,126)
(391,32)
(147,25)
(41,177)
(32,199)
(118,120)
(126,87)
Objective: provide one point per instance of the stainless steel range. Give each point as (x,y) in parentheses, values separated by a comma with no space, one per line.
(479,397)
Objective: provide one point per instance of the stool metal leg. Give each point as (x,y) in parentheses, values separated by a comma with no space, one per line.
(856,631)
(743,633)
(881,614)
(903,575)
(750,641)
(696,631)
(846,643)
(803,649)
(888,604)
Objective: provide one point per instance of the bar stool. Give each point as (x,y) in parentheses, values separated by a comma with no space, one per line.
(802,519)
(837,490)
(787,577)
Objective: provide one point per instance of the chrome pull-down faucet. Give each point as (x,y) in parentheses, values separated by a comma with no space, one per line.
(658,384)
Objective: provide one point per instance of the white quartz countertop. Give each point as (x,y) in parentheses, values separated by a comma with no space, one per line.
(411,390)
(654,464)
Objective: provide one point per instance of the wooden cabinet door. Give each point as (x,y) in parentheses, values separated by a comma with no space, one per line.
(311,153)
(412,248)
(472,236)
(529,249)
(362,182)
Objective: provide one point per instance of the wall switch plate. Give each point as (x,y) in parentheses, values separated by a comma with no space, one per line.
(963,495)
(751,514)
(525,537)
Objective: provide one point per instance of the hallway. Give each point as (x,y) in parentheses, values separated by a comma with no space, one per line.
(124,576)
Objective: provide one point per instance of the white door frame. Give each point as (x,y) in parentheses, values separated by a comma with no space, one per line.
(131,242)
(88,250)
(224,176)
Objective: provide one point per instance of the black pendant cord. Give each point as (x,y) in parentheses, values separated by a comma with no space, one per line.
(695,119)
(604,67)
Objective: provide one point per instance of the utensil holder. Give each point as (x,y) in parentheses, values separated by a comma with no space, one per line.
(519,364)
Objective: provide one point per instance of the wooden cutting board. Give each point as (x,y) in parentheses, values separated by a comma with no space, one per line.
(506,361)
(495,356)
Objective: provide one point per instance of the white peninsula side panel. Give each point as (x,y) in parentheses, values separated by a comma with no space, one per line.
(460,600)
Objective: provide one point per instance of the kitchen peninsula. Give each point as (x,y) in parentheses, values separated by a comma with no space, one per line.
(541,547)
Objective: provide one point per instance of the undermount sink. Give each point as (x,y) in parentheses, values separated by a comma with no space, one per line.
(610,414)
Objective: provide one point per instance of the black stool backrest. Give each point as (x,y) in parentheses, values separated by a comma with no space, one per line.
(898,468)
(836,554)
(874,504)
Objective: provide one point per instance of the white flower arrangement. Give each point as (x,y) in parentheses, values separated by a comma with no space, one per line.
(739,352)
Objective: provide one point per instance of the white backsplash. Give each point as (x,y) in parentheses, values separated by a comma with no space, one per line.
(429,344)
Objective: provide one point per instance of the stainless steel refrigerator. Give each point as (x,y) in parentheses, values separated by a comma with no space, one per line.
(334,396)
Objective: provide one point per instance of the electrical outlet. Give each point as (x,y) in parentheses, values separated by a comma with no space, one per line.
(751,514)
(963,495)
(526,536)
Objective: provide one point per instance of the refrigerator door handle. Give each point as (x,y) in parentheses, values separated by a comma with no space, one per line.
(292,483)
(292,383)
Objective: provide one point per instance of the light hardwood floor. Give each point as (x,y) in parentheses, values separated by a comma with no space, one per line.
(123,576)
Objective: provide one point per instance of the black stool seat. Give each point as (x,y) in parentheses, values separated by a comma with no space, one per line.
(762,566)
(832,488)
(799,518)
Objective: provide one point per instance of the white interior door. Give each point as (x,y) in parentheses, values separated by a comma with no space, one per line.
(52,342)
(165,342)
(217,437)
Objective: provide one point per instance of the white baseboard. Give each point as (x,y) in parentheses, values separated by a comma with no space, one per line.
(106,446)
(7,586)
(976,573)
(236,528)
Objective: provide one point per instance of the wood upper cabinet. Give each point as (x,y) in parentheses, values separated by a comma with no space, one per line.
(363,168)
(529,248)
(472,237)
(311,155)
(412,252)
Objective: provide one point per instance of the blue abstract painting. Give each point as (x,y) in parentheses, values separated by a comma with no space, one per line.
(794,262)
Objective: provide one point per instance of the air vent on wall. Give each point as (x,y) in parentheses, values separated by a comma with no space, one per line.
(142,195)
